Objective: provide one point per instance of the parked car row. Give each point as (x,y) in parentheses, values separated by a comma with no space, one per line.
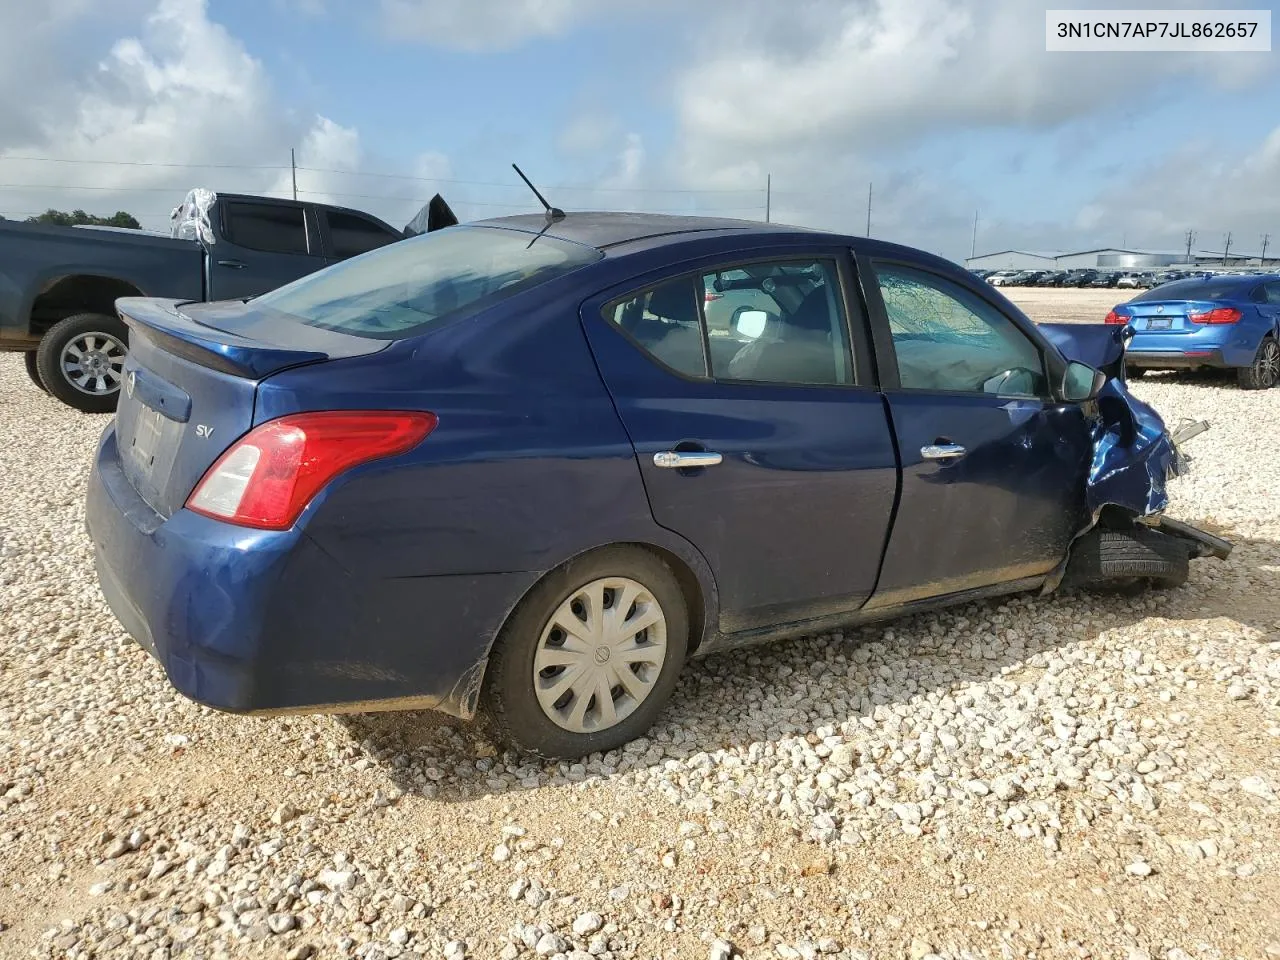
(1085,277)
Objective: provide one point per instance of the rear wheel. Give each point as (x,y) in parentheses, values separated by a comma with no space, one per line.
(1264,372)
(81,361)
(590,657)
(1113,559)
(29,360)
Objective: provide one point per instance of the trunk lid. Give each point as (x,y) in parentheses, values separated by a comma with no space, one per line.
(191,381)
(1166,316)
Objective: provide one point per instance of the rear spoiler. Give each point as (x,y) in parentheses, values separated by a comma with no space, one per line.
(162,322)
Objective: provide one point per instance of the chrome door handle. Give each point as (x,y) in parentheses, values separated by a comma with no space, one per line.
(679,460)
(233,264)
(942,451)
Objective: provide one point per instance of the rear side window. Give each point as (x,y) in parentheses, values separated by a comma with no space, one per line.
(269,227)
(1197,289)
(1271,293)
(399,290)
(777,322)
(351,235)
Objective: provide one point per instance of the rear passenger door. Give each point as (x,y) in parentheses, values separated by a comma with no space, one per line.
(349,234)
(765,446)
(263,245)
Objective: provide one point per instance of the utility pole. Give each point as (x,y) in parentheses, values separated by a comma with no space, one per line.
(293,164)
(768,194)
(1191,237)
(869,209)
(1226,248)
(973,244)
(1266,239)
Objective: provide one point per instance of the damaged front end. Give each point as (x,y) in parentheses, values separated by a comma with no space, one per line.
(1134,452)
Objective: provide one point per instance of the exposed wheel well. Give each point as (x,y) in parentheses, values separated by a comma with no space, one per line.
(66,296)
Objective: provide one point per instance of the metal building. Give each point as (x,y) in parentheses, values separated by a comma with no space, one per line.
(1013,260)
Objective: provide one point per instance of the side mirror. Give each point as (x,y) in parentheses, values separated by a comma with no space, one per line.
(750,324)
(1081,382)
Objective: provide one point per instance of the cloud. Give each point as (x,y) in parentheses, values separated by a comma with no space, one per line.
(181,91)
(832,94)
(483,24)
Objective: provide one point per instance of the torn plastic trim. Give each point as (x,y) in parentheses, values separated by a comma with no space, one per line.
(190,220)
(1203,543)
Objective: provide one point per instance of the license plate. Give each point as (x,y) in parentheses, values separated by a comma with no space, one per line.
(1158,323)
(147,429)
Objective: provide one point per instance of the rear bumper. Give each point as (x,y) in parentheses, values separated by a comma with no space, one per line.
(1174,360)
(251,621)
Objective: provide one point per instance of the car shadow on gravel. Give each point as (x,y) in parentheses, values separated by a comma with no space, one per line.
(731,700)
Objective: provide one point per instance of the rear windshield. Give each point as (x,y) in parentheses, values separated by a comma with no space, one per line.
(1197,288)
(397,290)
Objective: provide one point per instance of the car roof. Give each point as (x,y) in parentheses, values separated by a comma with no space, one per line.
(603,230)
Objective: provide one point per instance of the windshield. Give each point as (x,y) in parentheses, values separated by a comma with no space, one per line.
(396,290)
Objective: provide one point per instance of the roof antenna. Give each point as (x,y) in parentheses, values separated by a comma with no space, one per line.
(553,213)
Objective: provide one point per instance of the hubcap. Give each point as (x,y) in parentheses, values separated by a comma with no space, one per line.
(1269,363)
(94,363)
(600,655)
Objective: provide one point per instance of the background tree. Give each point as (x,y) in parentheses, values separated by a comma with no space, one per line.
(60,218)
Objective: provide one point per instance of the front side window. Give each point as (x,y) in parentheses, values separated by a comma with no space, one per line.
(947,338)
(269,227)
(770,322)
(398,290)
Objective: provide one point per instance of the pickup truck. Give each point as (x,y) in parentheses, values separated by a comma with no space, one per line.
(58,285)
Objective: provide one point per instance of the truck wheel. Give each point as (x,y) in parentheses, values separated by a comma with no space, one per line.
(81,361)
(590,656)
(1119,558)
(29,359)
(1264,372)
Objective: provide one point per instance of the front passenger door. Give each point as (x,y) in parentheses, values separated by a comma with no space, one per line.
(993,469)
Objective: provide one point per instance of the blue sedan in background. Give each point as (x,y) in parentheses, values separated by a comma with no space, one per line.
(511,466)
(1223,322)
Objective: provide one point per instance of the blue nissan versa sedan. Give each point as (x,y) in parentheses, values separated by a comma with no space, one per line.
(1218,321)
(506,465)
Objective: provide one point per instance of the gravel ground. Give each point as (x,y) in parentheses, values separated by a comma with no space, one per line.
(1076,776)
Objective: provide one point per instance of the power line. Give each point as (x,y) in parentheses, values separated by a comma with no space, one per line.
(151,163)
(364,173)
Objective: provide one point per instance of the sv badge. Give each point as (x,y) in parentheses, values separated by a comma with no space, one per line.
(203,431)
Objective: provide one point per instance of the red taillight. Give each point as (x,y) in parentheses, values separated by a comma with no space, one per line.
(709,296)
(271,473)
(1220,315)
(1116,318)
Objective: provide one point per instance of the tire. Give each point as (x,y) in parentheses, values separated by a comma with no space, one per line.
(1118,558)
(512,702)
(29,360)
(1264,372)
(104,341)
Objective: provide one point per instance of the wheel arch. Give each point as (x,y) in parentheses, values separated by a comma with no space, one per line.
(69,294)
(697,585)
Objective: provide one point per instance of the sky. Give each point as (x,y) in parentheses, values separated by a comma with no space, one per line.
(947,109)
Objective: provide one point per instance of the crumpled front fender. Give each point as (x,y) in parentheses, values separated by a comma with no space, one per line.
(1134,455)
